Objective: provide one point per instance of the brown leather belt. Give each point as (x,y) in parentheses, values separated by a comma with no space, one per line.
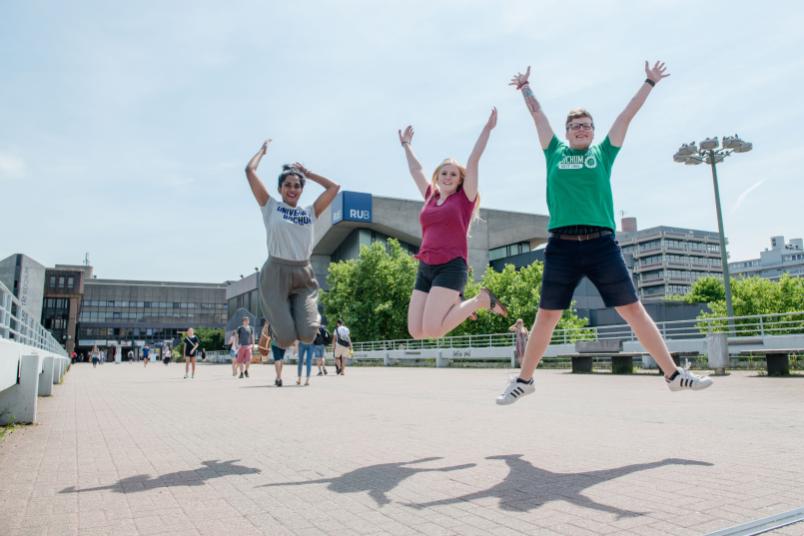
(579,237)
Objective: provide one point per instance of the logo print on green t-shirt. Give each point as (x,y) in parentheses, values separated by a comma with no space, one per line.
(578,161)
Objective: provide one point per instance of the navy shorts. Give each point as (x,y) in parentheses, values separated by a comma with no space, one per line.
(452,274)
(566,262)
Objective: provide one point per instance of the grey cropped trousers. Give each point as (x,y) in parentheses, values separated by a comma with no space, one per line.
(289,297)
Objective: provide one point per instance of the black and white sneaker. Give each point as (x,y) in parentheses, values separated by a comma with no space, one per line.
(515,390)
(684,379)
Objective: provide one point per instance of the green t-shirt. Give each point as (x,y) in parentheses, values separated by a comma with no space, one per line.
(579,184)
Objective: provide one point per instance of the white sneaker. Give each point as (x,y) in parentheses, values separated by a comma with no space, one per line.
(684,379)
(185,376)
(514,391)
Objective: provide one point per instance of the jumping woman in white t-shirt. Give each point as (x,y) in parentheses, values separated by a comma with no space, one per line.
(288,288)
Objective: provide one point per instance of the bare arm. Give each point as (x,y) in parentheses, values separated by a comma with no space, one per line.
(257,187)
(470,182)
(620,126)
(543,128)
(415,168)
(331,189)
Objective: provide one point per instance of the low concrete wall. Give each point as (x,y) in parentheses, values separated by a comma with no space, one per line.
(25,373)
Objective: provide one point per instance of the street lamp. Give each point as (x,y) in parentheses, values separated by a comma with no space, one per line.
(712,152)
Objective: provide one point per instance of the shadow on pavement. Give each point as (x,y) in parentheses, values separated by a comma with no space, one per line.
(527,487)
(376,480)
(194,477)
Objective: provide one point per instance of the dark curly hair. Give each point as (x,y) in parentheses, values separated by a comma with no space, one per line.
(288,170)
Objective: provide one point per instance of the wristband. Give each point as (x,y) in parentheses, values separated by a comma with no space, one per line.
(520,86)
(405,143)
(650,82)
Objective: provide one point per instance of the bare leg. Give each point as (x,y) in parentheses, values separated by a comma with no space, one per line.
(193,362)
(443,311)
(539,340)
(648,334)
(418,299)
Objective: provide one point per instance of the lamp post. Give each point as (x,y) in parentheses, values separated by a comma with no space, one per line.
(711,152)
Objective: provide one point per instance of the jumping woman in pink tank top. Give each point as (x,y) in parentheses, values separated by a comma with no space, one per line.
(451,201)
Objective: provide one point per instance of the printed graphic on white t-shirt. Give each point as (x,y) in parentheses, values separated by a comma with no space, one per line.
(289,230)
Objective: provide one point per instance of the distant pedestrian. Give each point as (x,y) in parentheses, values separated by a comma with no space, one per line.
(322,338)
(520,339)
(245,340)
(167,355)
(130,356)
(306,352)
(341,347)
(279,361)
(191,345)
(233,347)
(95,356)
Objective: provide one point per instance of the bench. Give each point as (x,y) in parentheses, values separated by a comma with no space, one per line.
(587,351)
(777,360)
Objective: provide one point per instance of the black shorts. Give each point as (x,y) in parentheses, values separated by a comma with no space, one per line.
(599,259)
(452,275)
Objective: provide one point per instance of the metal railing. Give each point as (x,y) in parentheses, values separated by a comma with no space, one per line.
(697,328)
(17,324)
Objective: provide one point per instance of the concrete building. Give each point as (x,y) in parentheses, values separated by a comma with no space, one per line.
(25,278)
(64,290)
(129,314)
(781,258)
(666,261)
(355,219)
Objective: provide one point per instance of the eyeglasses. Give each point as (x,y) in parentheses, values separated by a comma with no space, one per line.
(578,126)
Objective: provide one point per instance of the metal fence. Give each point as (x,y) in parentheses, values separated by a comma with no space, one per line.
(738,326)
(17,324)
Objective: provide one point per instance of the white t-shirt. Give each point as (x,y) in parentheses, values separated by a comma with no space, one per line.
(343,333)
(289,230)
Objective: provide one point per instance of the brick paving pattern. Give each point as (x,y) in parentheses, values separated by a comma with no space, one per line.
(122,450)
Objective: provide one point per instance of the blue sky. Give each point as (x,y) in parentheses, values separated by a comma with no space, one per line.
(126,126)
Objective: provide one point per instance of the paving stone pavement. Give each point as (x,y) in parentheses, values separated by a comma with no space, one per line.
(124,450)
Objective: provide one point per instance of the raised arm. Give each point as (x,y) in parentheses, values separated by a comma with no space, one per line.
(472,165)
(543,128)
(257,187)
(620,126)
(415,168)
(330,189)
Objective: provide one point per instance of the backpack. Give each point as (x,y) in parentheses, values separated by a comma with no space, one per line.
(326,336)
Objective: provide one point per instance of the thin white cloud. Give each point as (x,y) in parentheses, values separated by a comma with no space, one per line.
(11,166)
(743,196)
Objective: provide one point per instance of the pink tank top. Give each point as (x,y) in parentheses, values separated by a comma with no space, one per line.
(444,227)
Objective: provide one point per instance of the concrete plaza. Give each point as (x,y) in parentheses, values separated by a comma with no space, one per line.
(123,450)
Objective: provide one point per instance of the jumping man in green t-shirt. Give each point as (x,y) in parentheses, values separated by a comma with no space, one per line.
(582,240)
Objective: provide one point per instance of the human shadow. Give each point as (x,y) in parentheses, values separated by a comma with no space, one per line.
(527,487)
(377,480)
(193,477)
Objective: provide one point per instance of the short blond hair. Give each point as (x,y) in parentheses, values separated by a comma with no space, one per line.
(462,174)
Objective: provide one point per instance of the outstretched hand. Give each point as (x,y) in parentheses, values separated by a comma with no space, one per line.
(265,144)
(406,136)
(519,80)
(492,122)
(656,73)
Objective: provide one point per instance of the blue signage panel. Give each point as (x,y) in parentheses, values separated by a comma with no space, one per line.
(352,206)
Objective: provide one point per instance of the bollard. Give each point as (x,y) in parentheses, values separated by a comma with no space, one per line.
(717,351)
(47,377)
(18,402)
(441,361)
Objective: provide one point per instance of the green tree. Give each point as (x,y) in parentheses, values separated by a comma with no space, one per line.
(706,290)
(210,338)
(371,293)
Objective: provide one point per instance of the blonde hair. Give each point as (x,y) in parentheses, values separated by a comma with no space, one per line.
(462,174)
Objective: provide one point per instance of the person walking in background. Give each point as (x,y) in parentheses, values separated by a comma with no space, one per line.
(146,355)
(520,339)
(451,202)
(581,241)
(341,346)
(95,356)
(279,361)
(322,338)
(168,355)
(287,285)
(306,352)
(233,347)
(191,345)
(245,341)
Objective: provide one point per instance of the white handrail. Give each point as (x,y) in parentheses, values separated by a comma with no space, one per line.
(17,324)
(738,326)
